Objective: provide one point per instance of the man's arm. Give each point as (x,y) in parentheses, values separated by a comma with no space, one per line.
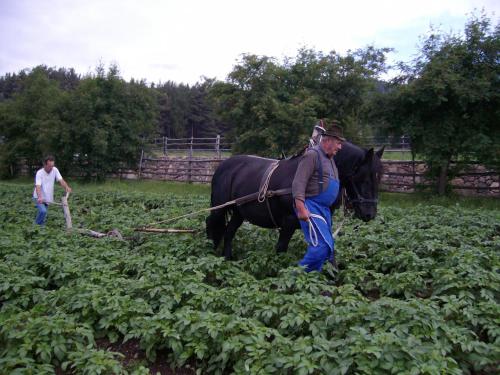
(64,185)
(302,212)
(39,193)
(304,171)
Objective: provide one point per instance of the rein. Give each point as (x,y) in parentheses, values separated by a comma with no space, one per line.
(359,198)
(264,194)
(313,235)
(238,202)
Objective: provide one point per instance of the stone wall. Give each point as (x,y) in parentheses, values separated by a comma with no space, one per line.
(179,169)
(472,180)
(398,176)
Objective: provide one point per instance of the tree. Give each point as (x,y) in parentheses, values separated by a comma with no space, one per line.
(109,121)
(31,121)
(11,84)
(271,106)
(449,98)
(174,107)
(185,111)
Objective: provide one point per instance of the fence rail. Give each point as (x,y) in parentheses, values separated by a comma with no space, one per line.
(190,146)
(165,146)
(399,143)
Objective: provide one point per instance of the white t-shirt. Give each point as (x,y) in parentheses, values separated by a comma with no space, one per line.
(46,181)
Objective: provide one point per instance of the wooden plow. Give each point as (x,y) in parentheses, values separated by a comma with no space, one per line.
(114,233)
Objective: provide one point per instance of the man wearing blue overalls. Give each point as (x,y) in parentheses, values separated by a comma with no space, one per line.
(315,187)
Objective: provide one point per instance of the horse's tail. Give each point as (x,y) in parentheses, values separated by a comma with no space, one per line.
(216,222)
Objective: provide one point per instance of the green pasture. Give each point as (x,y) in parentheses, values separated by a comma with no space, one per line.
(177,188)
(398,155)
(155,153)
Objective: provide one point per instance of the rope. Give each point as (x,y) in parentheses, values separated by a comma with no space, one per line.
(194,213)
(312,234)
(265,186)
(237,201)
(339,227)
(347,213)
(312,231)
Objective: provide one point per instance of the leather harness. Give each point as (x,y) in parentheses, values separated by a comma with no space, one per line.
(264,194)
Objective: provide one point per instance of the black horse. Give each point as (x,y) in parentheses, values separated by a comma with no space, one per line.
(240,176)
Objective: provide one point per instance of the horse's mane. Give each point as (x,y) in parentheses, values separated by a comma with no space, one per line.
(298,153)
(350,156)
(356,149)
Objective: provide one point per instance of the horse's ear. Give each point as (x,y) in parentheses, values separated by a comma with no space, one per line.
(380,152)
(369,155)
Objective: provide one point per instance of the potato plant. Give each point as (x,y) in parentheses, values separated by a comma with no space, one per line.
(417,292)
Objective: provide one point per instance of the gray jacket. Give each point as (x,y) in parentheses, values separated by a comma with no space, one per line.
(305,183)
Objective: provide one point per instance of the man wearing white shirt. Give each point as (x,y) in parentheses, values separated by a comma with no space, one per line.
(44,188)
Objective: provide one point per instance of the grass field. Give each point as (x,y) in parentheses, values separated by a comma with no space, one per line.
(388,155)
(162,187)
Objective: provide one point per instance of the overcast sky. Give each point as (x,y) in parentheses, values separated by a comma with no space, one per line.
(183,40)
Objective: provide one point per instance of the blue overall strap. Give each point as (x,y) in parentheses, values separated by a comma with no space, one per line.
(320,171)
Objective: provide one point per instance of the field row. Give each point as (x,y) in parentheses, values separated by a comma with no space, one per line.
(416,293)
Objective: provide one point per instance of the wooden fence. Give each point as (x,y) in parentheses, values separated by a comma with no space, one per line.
(219,146)
(190,147)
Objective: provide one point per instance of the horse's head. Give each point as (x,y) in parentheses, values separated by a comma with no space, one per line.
(361,185)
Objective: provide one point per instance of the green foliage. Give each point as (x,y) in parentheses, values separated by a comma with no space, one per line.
(185,111)
(31,122)
(416,292)
(448,99)
(108,119)
(13,83)
(271,106)
(93,128)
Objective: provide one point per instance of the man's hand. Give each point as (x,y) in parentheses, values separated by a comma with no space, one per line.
(39,198)
(302,212)
(65,186)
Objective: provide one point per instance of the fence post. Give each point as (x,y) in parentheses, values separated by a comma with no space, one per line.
(414,172)
(217,146)
(140,163)
(165,140)
(190,159)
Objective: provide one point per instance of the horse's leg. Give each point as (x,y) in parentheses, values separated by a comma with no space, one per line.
(232,227)
(288,226)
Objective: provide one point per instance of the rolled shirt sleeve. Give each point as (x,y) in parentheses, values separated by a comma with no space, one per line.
(58,175)
(38,179)
(303,174)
